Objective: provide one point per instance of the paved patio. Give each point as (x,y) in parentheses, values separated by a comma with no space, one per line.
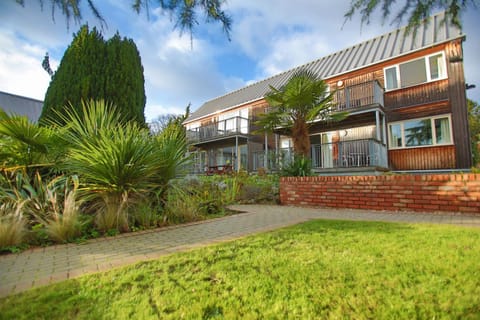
(43,266)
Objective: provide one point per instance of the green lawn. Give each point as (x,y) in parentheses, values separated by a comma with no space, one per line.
(320,269)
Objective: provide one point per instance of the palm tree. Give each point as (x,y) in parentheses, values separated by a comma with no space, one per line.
(296,105)
(25,145)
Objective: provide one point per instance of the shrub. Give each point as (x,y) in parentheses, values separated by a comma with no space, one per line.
(65,223)
(146,215)
(300,167)
(119,162)
(112,213)
(181,206)
(12,226)
(246,188)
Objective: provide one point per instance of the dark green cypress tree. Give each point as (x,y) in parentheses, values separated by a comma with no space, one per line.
(125,82)
(93,68)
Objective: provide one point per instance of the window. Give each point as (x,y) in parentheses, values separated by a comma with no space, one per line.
(420,132)
(410,73)
(286,143)
(391,78)
(235,121)
(442,130)
(395,136)
(192,126)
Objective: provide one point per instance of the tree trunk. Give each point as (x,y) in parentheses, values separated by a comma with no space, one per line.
(301,139)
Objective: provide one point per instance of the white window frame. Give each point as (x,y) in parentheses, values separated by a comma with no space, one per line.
(397,75)
(434,132)
(193,125)
(236,120)
(427,70)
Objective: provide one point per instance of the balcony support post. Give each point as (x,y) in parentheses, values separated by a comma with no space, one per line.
(377,124)
(265,160)
(347,98)
(384,127)
(236,154)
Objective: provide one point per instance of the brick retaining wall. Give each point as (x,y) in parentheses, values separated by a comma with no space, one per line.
(431,193)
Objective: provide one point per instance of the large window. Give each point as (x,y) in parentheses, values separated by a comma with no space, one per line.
(425,69)
(420,132)
(235,121)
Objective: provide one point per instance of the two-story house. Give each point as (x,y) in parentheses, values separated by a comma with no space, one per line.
(406,101)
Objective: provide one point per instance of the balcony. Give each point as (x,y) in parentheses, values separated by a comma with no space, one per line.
(358,96)
(219,130)
(350,154)
(346,155)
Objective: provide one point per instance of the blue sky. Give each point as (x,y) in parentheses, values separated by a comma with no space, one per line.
(266,39)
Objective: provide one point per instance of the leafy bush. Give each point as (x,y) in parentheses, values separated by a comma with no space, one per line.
(145,215)
(300,167)
(23,143)
(119,162)
(181,206)
(119,165)
(244,188)
(51,207)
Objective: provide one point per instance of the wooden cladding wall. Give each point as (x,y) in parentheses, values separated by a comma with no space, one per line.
(458,101)
(424,193)
(417,95)
(420,111)
(426,158)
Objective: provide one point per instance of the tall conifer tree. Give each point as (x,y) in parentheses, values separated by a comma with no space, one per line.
(94,69)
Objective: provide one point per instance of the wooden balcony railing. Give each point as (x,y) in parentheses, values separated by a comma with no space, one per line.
(420,94)
(224,128)
(358,96)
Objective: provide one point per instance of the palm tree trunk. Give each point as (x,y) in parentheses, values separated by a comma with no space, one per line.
(301,139)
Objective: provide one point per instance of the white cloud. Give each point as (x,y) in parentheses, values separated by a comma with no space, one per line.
(176,73)
(155,110)
(20,68)
(293,50)
(288,34)
(29,22)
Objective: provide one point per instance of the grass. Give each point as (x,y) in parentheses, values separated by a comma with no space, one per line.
(320,269)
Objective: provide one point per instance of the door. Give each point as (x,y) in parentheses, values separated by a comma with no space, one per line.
(327,150)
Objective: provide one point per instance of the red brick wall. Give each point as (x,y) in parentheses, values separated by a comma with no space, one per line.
(431,193)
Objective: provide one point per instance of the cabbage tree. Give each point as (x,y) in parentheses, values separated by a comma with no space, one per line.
(118,162)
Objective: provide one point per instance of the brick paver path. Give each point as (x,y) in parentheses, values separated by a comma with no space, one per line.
(42,266)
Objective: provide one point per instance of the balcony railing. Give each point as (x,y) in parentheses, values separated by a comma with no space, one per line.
(344,154)
(420,94)
(219,129)
(358,96)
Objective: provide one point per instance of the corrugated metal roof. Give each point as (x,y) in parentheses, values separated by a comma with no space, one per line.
(385,47)
(19,105)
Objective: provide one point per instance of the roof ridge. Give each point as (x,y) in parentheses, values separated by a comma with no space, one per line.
(19,96)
